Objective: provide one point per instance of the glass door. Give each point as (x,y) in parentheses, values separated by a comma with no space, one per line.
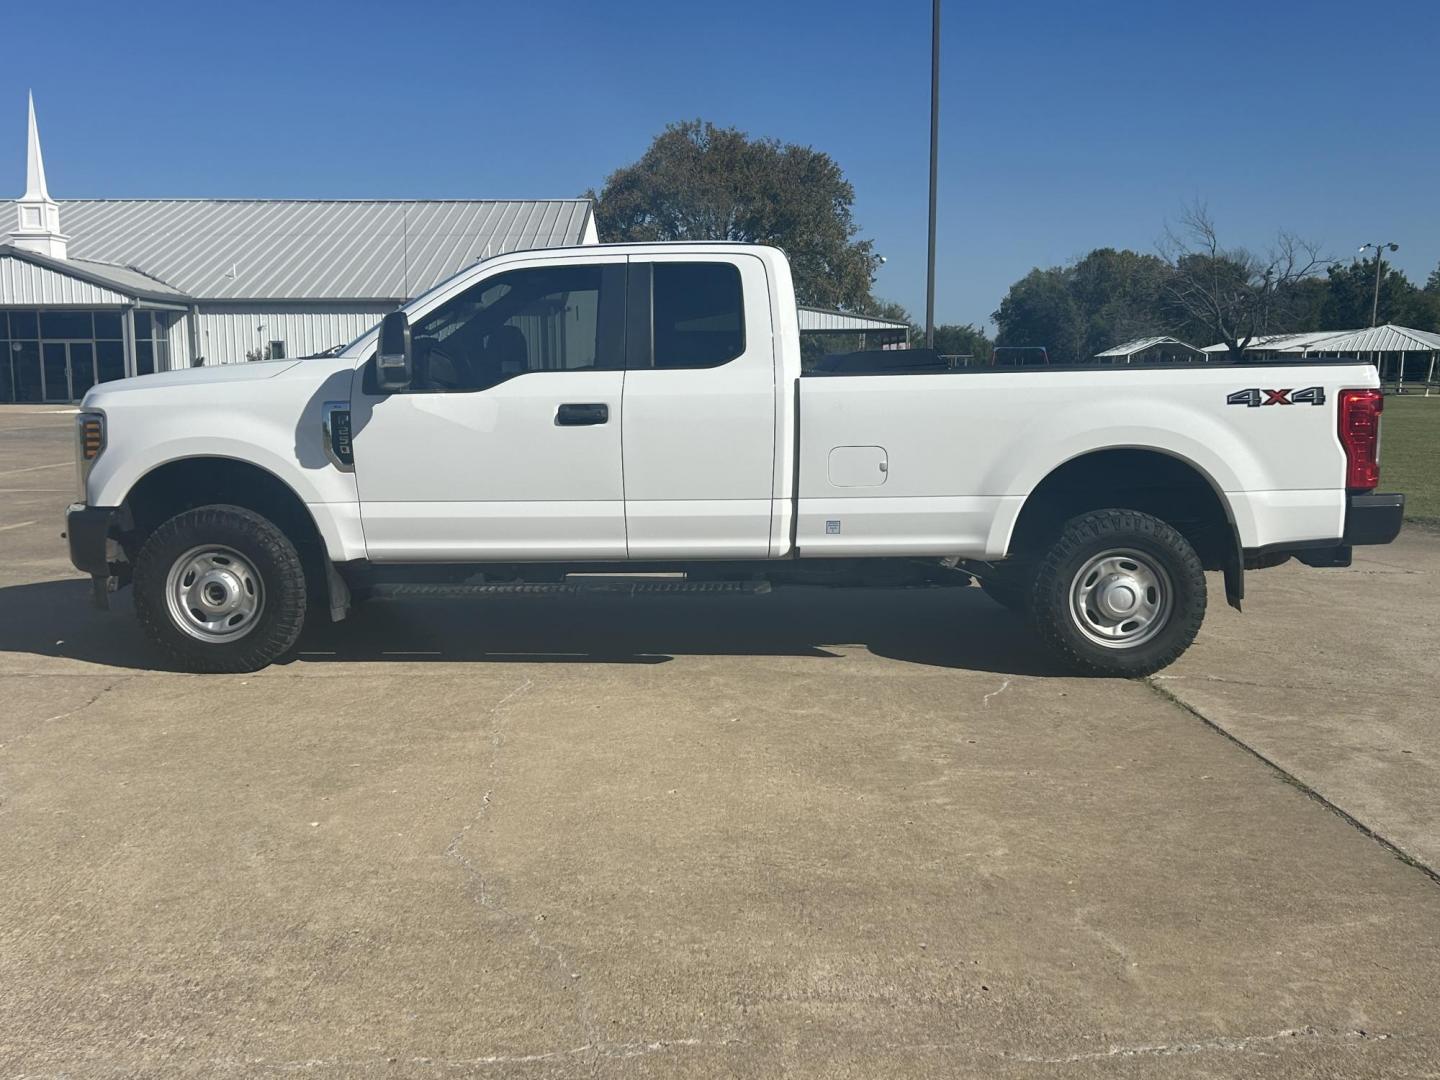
(68,368)
(82,367)
(55,370)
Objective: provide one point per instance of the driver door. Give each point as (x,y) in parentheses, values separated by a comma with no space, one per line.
(506,446)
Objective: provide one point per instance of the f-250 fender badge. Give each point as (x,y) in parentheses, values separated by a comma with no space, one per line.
(1254,397)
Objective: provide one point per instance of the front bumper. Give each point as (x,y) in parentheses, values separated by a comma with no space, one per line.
(88,531)
(1373,519)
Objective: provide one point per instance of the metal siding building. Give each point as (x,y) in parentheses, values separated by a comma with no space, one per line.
(137,285)
(257,275)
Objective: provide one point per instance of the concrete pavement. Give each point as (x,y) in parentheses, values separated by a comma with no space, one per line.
(814,834)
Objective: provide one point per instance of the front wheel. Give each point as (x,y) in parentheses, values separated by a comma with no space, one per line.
(220,589)
(1118,593)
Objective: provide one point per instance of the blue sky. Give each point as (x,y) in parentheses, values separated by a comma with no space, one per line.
(1065,125)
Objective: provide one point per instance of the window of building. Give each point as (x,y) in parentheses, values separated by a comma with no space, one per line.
(152,341)
(699,314)
(57,354)
(277,350)
(543,319)
(66,324)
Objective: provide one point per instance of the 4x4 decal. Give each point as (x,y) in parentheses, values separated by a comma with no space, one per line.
(1255,397)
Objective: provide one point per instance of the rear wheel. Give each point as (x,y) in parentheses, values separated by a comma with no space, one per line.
(220,589)
(1118,593)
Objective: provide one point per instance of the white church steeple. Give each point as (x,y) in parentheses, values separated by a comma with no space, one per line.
(37,227)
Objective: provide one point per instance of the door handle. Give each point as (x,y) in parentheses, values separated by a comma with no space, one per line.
(582,415)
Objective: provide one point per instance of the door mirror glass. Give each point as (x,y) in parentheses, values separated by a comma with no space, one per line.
(394,359)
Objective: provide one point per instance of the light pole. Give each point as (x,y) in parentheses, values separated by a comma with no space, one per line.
(1379,258)
(934,168)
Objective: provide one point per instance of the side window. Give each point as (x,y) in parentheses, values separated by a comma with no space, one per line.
(699,314)
(563,318)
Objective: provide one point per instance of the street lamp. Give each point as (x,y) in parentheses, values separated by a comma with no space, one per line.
(1379,258)
(934,169)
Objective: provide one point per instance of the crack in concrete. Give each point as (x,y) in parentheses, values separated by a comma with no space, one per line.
(995,693)
(37,725)
(1218,1044)
(484,895)
(603,1051)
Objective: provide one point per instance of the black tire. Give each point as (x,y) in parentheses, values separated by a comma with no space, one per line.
(1010,588)
(1104,543)
(274,571)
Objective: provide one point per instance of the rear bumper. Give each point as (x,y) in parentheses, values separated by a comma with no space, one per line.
(87,528)
(1373,519)
(1369,519)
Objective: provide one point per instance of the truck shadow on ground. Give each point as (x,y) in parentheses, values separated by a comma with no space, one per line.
(953,628)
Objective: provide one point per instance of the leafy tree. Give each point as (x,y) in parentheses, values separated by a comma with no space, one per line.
(961,339)
(1118,296)
(1040,310)
(1078,310)
(700,182)
(1350,295)
(1432,283)
(1235,294)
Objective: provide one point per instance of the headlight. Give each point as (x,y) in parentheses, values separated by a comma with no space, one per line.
(89,445)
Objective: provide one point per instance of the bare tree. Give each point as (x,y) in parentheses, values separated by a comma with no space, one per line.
(1236,294)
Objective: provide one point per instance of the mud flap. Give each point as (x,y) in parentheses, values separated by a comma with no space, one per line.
(1235,572)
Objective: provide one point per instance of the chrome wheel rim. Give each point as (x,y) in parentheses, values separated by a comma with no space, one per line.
(1121,599)
(214,594)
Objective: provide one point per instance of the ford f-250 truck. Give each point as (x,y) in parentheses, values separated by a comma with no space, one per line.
(636,416)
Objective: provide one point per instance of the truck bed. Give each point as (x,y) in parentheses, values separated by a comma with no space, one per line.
(935,463)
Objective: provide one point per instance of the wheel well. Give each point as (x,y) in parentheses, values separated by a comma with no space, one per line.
(182,485)
(1147,480)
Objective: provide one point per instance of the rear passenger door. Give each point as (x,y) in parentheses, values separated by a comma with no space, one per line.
(698,430)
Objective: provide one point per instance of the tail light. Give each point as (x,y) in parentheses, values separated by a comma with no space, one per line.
(1360,436)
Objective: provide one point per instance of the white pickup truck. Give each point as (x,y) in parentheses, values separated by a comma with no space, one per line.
(637,416)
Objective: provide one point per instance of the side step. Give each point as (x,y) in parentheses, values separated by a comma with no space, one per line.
(604,583)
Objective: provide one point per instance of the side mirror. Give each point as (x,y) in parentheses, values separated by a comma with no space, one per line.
(394,359)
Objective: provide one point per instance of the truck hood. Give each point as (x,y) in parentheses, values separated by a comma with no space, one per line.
(220,373)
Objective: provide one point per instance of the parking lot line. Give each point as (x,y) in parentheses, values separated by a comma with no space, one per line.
(35,468)
(17,525)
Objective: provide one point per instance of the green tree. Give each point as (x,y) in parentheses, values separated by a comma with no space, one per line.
(1432,283)
(961,339)
(1040,310)
(700,182)
(1117,294)
(1350,296)
(1078,310)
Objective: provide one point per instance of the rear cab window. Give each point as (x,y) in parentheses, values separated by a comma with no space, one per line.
(699,314)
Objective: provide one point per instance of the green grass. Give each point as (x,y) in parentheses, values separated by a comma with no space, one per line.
(1410,454)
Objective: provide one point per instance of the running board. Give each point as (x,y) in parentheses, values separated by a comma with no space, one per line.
(599,583)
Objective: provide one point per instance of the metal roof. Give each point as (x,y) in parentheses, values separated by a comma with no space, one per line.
(813,319)
(66,281)
(1286,343)
(310,249)
(27,283)
(1130,348)
(1389,338)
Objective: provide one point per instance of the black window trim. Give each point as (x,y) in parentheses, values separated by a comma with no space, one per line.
(640,313)
(611,320)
